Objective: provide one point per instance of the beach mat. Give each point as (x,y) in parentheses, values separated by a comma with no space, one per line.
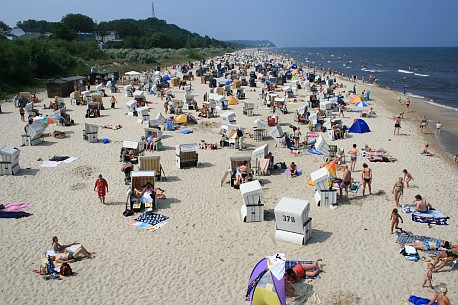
(14,214)
(292,264)
(149,222)
(438,221)
(14,207)
(404,238)
(419,300)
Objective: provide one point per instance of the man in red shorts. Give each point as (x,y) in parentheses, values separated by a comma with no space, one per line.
(102,188)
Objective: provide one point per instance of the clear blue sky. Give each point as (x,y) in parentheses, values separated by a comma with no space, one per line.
(287,23)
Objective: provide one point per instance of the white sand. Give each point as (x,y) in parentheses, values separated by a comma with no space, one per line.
(205,254)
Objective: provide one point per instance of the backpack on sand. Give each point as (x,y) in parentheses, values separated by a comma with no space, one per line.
(66,270)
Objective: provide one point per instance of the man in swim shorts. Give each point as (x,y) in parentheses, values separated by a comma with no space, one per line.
(346,180)
(423,124)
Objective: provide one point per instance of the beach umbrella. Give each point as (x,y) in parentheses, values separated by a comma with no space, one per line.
(132,73)
(47,121)
(361,104)
(355,99)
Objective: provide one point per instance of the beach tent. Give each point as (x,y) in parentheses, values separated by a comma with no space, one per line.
(355,99)
(185,118)
(359,126)
(267,285)
(233,101)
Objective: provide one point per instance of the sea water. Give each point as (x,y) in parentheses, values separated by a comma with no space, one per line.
(428,74)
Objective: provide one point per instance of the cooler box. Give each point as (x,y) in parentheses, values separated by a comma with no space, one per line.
(252,213)
(9,160)
(251,193)
(320,179)
(291,214)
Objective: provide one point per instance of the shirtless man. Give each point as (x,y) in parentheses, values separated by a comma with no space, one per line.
(423,124)
(407,103)
(424,151)
(353,156)
(397,124)
(346,180)
(243,169)
(421,205)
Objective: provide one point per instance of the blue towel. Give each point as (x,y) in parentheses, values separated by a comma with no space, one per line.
(314,151)
(419,300)
(186,131)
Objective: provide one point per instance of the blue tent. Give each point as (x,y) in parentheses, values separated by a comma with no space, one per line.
(359,126)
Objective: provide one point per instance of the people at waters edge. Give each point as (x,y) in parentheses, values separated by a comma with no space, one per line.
(438,127)
(397,124)
(395,217)
(398,190)
(353,156)
(407,177)
(366,177)
(407,104)
(424,151)
(101,185)
(423,124)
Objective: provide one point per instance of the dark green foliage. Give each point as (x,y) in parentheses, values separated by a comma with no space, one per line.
(4,26)
(38,26)
(61,31)
(79,23)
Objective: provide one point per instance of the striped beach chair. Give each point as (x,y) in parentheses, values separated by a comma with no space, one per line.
(151,163)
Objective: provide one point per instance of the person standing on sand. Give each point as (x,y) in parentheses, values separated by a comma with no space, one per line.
(423,124)
(397,124)
(102,188)
(438,127)
(113,102)
(407,103)
(353,156)
(22,113)
(395,217)
(398,190)
(346,180)
(366,176)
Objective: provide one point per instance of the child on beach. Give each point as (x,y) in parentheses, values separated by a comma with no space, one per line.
(428,276)
(407,177)
(395,217)
(438,127)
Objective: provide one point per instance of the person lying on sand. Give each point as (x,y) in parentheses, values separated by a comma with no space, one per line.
(300,271)
(114,127)
(70,257)
(430,245)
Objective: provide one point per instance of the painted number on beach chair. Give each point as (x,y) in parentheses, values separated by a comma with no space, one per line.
(288,218)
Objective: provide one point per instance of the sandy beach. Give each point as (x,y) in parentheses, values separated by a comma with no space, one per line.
(205,253)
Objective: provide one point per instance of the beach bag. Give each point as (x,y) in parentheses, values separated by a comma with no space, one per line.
(66,270)
(128,212)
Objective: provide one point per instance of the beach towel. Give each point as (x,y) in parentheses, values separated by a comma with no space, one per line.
(50,164)
(419,300)
(312,134)
(314,151)
(263,165)
(405,238)
(355,187)
(15,207)
(292,264)
(71,249)
(431,217)
(14,214)
(185,131)
(149,222)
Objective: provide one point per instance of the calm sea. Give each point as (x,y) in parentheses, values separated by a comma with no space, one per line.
(430,74)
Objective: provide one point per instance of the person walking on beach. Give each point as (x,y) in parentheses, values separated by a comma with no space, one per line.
(398,190)
(438,127)
(397,124)
(428,276)
(395,217)
(366,176)
(407,104)
(407,177)
(22,113)
(113,102)
(353,156)
(101,185)
(423,124)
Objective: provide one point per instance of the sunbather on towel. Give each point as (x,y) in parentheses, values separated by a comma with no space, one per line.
(70,257)
(448,255)
(430,245)
(367,149)
(300,271)
(381,159)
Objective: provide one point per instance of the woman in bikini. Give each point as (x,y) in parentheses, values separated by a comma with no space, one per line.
(366,176)
(431,245)
(398,190)
(407,177)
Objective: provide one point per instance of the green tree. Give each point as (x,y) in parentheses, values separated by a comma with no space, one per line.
(4,26)
(61,31)
(79,23)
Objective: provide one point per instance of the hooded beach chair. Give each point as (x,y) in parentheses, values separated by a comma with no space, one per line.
(139,180)
(151,163)
(186,155)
